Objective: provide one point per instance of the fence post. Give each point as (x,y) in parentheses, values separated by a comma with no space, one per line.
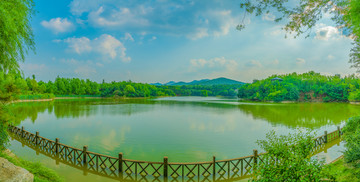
(255,157)
(120,163)
(165,168)
(36,138)
(214,168)
(22,131)
(56,145)
(84,154)
(326,136)
(338,128)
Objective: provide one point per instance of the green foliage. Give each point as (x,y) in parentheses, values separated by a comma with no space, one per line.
(41,173)
(293,159)
(16,36)
(352,138)
(303,15)
(302,87)
(4,137)
(201,90)
(14,86)
(354,95)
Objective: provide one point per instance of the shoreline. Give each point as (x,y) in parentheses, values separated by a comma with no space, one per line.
(290,101)
(125,98)
(31,100)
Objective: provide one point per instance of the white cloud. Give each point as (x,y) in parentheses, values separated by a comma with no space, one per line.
(324,32)
(99,64)
(128,37)
(253,63)
(199,33)
(330,57)
(85,71)
(58,25)
(268,17)
(218,63)
(29,67)
(275,62)
(106,45)
(167,17)
(226,22)
(80,68)
(79,45)
(118,18)
(78,7)
(153,38)
(300,61)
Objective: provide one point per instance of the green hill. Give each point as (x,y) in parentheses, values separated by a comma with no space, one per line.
(216,81)
(220,81)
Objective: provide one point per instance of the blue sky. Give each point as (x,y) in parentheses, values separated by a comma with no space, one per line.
(162,40)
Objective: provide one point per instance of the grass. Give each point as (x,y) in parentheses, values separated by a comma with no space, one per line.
(342,171)
(41,173)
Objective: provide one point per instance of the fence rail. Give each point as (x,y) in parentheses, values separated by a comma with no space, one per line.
(127,169)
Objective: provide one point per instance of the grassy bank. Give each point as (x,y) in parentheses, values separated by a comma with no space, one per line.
(343,172)
(41,173)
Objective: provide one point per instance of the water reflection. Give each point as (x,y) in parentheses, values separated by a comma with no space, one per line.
(73,168)
(308,115)
(186,131)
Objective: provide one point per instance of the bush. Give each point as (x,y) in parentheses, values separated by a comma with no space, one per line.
(352,139)
(293,163)
(354,96)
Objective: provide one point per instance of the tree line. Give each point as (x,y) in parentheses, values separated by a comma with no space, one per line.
(17,86)
(310,86)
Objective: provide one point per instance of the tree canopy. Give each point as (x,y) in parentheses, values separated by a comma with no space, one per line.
(309,86)
(301,16)
(16,36)
(16,39)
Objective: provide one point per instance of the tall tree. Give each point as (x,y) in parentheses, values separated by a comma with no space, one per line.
(16,36)
(301,16)
(16,39)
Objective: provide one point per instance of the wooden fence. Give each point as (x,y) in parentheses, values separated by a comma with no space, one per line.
(135,170)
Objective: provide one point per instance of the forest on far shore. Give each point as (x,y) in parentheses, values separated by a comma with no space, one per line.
(14,84)
(310,86)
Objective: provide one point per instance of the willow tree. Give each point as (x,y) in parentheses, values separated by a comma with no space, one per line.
(16,39)
(302,15)
(16,36)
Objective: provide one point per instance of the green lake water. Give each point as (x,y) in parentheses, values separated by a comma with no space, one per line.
(185,129)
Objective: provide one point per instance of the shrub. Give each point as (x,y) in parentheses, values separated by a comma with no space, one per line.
(354,96)
(352,138)
(293,163)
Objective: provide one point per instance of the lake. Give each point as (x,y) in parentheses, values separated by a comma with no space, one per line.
(185,129)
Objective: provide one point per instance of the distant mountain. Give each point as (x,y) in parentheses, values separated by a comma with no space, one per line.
(216,81)
(221,81)
(156,84)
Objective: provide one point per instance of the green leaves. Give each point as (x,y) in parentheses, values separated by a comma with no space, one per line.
(16,36)
(352,139)
(293,162)
(309,86)
(303,15)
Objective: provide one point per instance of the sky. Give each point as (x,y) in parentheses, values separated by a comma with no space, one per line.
(184,40)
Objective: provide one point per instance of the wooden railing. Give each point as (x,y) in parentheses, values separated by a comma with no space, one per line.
(127,169)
